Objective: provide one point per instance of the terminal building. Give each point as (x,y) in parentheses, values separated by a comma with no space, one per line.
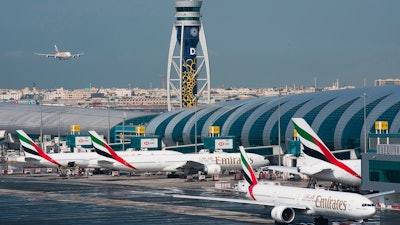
(344,119)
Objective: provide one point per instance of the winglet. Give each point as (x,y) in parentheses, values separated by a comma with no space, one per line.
(315,147)
(32,148)
(102,148)
(55,48)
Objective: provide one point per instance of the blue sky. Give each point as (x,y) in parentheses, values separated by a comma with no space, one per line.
(256,43)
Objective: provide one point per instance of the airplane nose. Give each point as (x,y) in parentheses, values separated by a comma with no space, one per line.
(370,212)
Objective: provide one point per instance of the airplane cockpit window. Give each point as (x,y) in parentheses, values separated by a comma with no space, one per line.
(367,204)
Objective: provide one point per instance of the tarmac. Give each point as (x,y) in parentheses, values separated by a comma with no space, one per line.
(106,199)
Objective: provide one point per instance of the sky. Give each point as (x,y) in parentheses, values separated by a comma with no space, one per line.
(253,44)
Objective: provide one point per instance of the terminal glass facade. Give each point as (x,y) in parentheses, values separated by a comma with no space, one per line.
(384,171)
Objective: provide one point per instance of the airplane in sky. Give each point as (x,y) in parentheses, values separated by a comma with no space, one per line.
(209,163)
(286,201)
(34,154)
(60,55)
(319,162)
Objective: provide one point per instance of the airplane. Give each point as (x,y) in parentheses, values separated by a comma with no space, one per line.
(319,162)
(60,55)
(34,154)
(208,163)
(286,201)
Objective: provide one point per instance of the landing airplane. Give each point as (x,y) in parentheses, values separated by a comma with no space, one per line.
(209,163)
(34,154)
(320,163)
(287,201)
(60,55)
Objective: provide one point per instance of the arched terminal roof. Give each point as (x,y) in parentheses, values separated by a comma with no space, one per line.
(55,118)
(337,116)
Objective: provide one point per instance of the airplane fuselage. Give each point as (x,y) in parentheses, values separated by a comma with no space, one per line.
(335,173)
(170,163)
(85,159)
(63,55)
(318,202)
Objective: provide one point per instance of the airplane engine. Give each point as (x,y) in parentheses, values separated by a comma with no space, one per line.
(282,214)
(212,169)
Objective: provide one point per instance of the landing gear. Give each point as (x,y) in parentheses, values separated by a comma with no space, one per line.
(311,183)
(320,221)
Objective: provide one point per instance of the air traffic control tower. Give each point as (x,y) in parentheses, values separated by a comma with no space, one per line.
(188,74)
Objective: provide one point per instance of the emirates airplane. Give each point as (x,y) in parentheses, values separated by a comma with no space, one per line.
(209,163)
(287,201)
(34,154)
(60,55)
(319,162)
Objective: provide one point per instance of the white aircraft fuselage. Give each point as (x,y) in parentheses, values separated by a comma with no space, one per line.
(316,202)
(83,159)
(214,162)
(321,170)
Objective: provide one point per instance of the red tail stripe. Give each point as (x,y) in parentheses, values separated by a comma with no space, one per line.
(333,160)
(119,159)
(44,155)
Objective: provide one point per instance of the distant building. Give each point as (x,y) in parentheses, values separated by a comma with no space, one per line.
(384,82)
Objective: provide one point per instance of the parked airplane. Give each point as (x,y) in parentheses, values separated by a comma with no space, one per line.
(319,162)
(60,55)
(34,154)
(286,201)
(209,163)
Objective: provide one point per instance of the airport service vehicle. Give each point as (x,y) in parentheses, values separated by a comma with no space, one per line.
(60,55)
(209,163)
(34,154)
(287,201)
(319,162)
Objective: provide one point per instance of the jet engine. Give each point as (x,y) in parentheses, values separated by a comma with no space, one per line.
(212,169)
(282,214)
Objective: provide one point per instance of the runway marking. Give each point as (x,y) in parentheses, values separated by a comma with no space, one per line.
(176,209)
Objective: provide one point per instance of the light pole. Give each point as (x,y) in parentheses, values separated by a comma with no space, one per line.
(108,112)
(279,128)
(365,123)
(123,133)
(195,124)
(41,125)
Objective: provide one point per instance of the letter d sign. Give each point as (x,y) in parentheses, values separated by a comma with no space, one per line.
(192,51)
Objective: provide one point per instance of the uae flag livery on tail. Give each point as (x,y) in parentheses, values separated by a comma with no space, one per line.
(314,147)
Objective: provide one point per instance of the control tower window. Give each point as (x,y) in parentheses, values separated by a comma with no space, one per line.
(188,18)
(188,9)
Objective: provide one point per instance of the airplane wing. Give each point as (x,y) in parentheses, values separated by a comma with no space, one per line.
(241,201)
(46,55)
(31,160)
(172,168)
(105,163)
(193,167)
(379,194)
(285,169)
(77,55)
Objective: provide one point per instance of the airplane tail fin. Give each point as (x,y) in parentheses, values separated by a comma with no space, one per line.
(32,148)
(102,148)
(249,174)
(313,145)
(55,48)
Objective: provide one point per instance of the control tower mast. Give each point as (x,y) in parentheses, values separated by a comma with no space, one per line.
(186,61)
